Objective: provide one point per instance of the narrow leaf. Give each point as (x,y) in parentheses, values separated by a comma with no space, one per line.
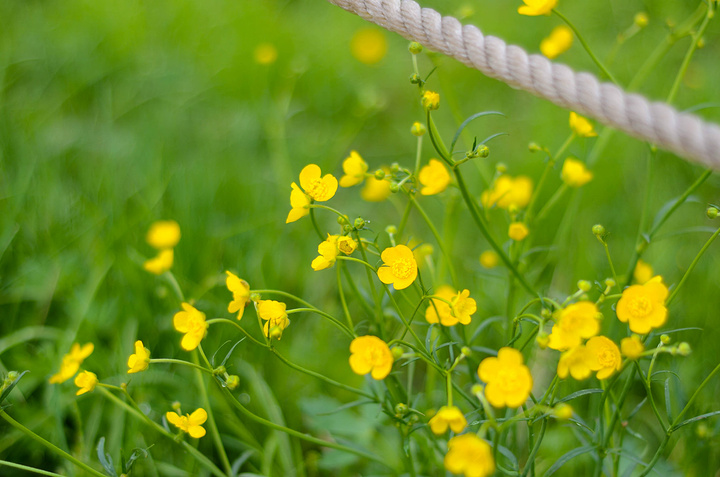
(105,458)
(566,457)
(694,419)
(7,390)
(466,122)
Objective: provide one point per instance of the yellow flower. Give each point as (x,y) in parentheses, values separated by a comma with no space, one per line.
(632,347)
(86,381)
(354,168)
(328,251)
(469,455)
(317,187)
(509,381)
(299,202)
(191,321)
(574,173)
(163,234)
(241,294)
(274,314)
(463,307)
(265,54)
(399,267)
(559,41)
(370,354)
(606,356)
(71,362)
(581,126)
(346,244)
(140,360)
(643,272)
(573,323)
(434,178)
(190,423)
(537,7)
(430,100)
(160,264)
(563,411)
(448,416)
(489,259)
(507,191)
(578,362)
(643,306)
(518,231)
(368,45)
(376,190)
(439,311)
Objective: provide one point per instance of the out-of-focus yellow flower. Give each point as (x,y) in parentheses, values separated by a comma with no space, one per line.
(275,316)
(163,234)
(518,231)
(559,41)
(354,168)
(469,455)
(508,191)
(71,362)
(581,126)
(86,381)
(439,311)
(368,45)
(489,259)
(448,416)
(190,423)
(632,347)
(399,267)
(578,362)
(643,272)
(241,294)
(300,202)
(190,321)
(574,173)
(140,361)
(160,264)
(463,307)
(509,381)
(573,324)
(643,306)
(318,187)
(537,7)
(434,178)
(370,354)
(563,411)
(376,190)
(430,100)
(265,54)
(607,359)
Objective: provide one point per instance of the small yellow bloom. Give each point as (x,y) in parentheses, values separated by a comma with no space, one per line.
(86,381)
(438,311)
(573,324)
(368,45)
(463,307)
(632,347)
(71,362)
(160,264)
(265,54)
(140,361)
(399,267)
(537,7)
(448,416)
(318,187)
(274,314)
(299,202)
(354,168)
(346,244)
(574,173)
(376,190)
(190,423)
(559,41)
(509,381)
(563,411)
(241,294)
(643,272)
(163,234)
(606,356)
(190,321)
(518,231)
(434,178)
(643,306)
(508,191)
(370,354)
(581,126)
(489,259)
(469,455)
(430,100)
(578,362)
(328,251)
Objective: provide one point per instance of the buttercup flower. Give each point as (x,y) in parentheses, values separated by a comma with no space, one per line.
(469,455)
(578,362)
(606,356)
(354,168)
(559,41)
(160,264)
(71,362)
(439,311)
(274,314)
(140,361)
(370,354)
(574,173)
(462,307)
(328,251)
(163,234)
(632,347)
(448,416)
(346,244)
(643,272)
(509,381)
(376,190)
(518,231)
(643,306)
(573,324)
(489,259)
(190,321)
(265,54)
(581,126)
(299,203)
(86,381)
(317,187)
(434,178)
(537,7)
(368,45)
(190,423)
(430,100)
(241,294)
(399,268)
(507,191)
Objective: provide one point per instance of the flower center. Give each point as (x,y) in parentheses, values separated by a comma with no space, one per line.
(402,268)
(317,189)
(509,379)
(606,358)
(640,307)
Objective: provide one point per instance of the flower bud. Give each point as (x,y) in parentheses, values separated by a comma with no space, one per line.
(255,297)
(394,187)
(610,283)
(534,147)
(359,223)
(379,174)
(418,129)
(430,100)
(476,389)
(391,230)
(397,352)
(394,167)
(176,406)
(12,375)
(483,151)
(684,349)
(542,340)
(219,370)
(584,285)
(599,232)
(347,228)
(232,382)
(466,351)
(712,212)
(415,48)
(563,411)
(400,409)
(275,333)
(413,419)
(641,19)
(343,219)
(665,339)
(501,168)
(415,79)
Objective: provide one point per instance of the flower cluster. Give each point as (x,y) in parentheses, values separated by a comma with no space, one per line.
(508,191)
(71,362)
(331,248)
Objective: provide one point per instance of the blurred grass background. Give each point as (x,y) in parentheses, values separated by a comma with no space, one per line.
(115,114)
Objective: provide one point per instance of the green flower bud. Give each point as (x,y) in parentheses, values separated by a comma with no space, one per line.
(542,340)
(394,167)
(610,283)
(584,285)
(598,230)
(342,220)
(415,79)
(665,339)
(12,375)
(712,212)
(415,48)
(347,228)
(219,370)
(391,230)
(534,147)
(255,297)
(684,349)
(397,352)
(483,151)
(359,223)
(400,409)
(418,129)
(176,406)
(641,19)
(501,168)
(394,188)
(466,351)
(379,174)
(232,382)
(476,389)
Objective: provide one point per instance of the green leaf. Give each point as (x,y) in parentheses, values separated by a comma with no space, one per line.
(694,419)
(137,453)
(577,394)
(566,457)
(105,458)
(7,390)
(468,121)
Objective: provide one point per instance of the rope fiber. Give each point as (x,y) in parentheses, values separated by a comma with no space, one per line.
(684,134)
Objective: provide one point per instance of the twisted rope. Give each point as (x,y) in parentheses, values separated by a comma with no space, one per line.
(684,134)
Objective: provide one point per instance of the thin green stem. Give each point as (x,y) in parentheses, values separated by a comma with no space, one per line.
(29,469)
(341,292)
(438,239)
(315,224)
(551,202)
(530,464)
(691,267)
(236,325)
(285,294)
(170,277)
(332,319)
(180,362)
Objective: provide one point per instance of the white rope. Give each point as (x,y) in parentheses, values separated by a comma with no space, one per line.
(682,133)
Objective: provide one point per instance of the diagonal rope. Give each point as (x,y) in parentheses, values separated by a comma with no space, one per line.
(684,134)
